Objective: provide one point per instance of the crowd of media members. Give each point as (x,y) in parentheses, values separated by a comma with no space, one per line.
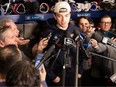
(96,53)
(88,74)
(57,50)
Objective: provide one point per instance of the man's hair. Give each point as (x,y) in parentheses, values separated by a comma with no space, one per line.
(2,30)
(105,16)
(85,17)
(4,21)
(9,55)
(23,73)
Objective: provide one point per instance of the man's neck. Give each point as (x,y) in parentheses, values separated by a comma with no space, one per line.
(62,27)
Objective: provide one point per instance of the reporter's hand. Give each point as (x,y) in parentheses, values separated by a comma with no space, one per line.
(94,43)
(38,47)
(57,79)
(21,41)
(42,73)
(42,44)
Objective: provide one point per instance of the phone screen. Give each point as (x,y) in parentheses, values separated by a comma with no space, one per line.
(38,59)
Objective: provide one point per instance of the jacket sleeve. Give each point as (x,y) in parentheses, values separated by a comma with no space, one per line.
(110,50)
(51,75)
(44,84)
(101,48)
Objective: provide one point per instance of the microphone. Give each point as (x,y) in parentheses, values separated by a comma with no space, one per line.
(98,37)
(77,35)
(54,41)
(57,39)
(106,41)
(46,55)
(85,41)
(80,36)
(68,41)
(54,38)
(49,51)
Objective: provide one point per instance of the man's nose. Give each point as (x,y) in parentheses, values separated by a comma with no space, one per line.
(63,18)
(83,25)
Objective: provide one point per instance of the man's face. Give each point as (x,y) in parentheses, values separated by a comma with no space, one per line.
(84,24)
(14,28)
(105,24)
(10,38)
(62,19)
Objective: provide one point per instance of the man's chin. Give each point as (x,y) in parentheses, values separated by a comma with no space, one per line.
(107,30)
(63,26)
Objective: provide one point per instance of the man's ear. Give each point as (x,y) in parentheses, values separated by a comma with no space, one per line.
(1,43)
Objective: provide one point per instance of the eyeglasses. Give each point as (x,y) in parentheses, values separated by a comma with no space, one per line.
(106,23)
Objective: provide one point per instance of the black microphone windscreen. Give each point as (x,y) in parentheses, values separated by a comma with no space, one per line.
(76,32)
(68,34)
(98,37)
(54,38)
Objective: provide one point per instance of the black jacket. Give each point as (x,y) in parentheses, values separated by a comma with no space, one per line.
(55,65)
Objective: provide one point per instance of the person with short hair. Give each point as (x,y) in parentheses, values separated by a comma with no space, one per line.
(6,36)
(60,27)
(105,27)
(20,42)
(9,22)
(85,25)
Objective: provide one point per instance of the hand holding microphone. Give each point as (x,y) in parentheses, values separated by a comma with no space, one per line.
(38,47)
(108,41)
(94,43)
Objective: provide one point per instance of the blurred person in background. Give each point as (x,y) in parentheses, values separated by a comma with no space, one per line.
(7,36)
(9,55)
(105,27)
(9,22)
(21,41)
(101,68)
(86,26)
(24,73)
